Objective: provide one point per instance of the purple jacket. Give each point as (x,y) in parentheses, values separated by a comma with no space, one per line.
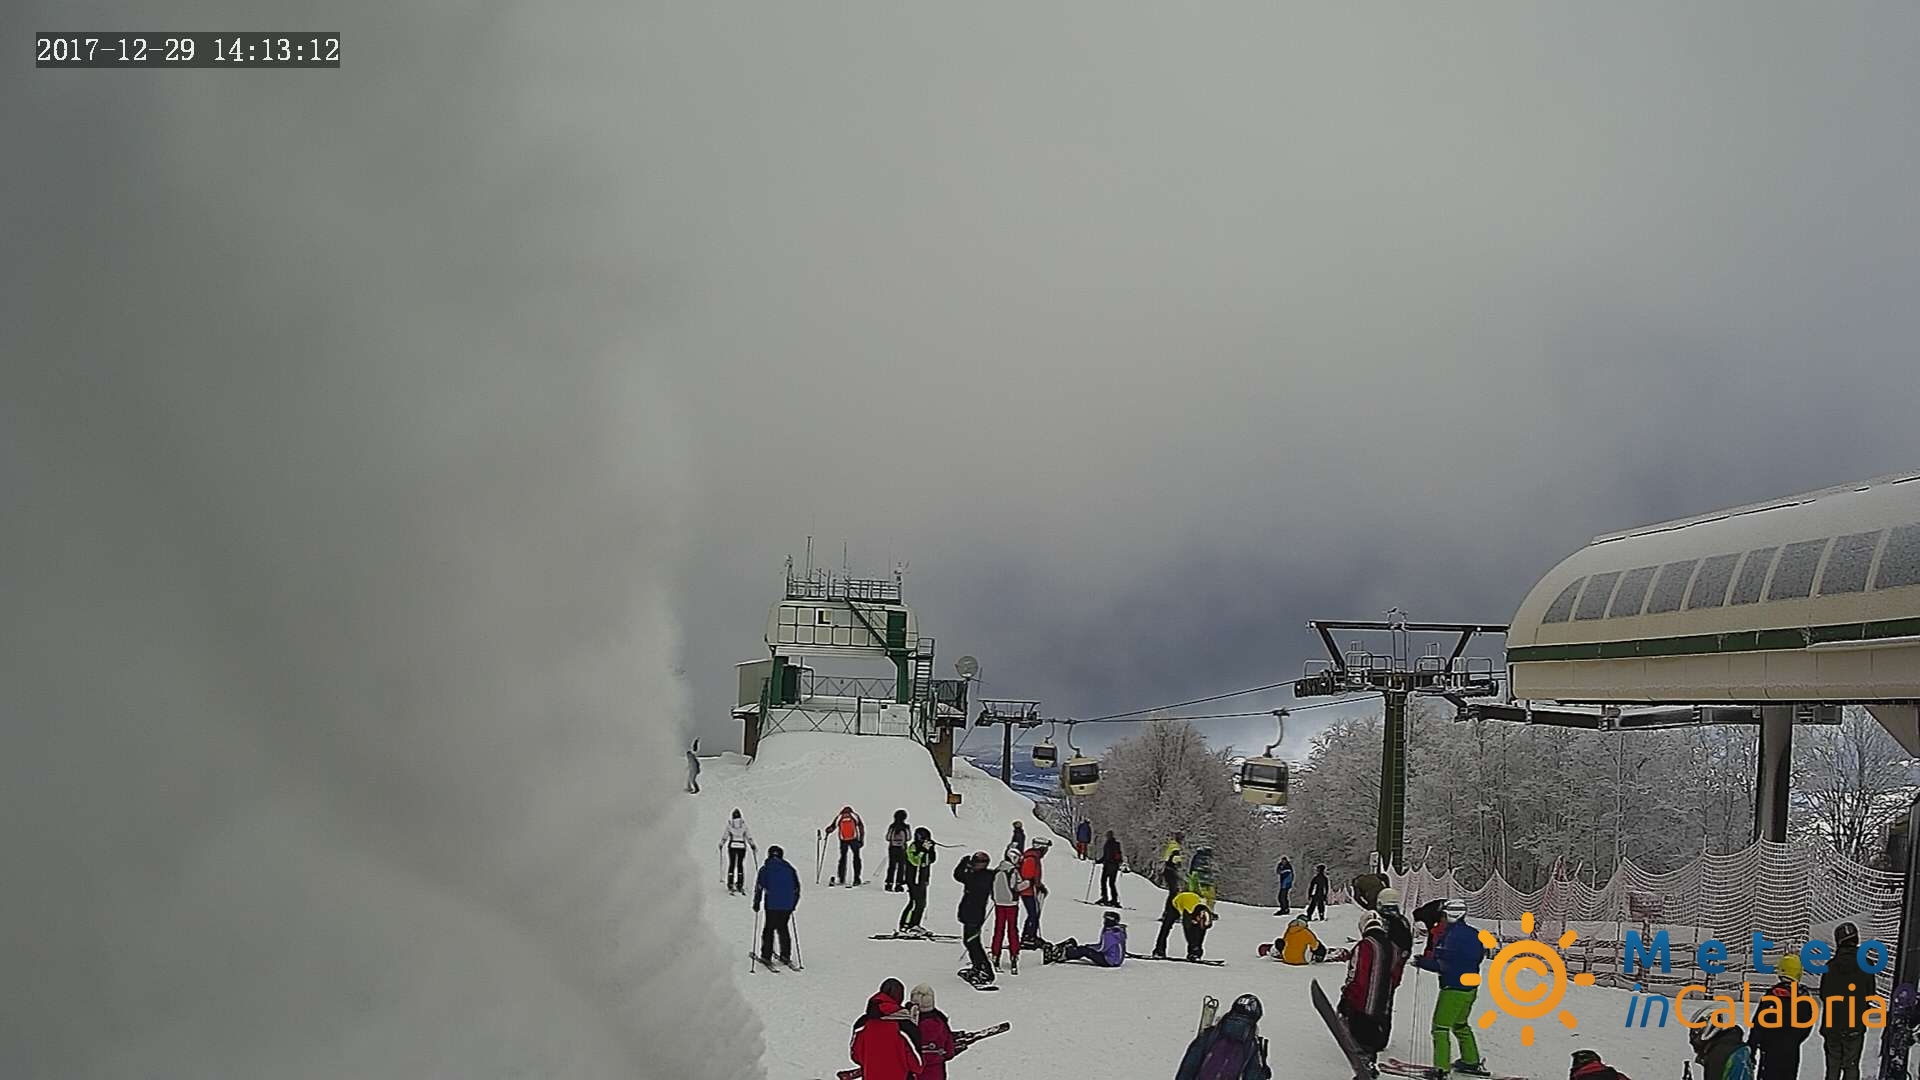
(1113,944)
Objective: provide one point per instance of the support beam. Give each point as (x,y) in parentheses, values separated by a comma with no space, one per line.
(1770,792)
(1390,831)
(1006,752)
(1906,957)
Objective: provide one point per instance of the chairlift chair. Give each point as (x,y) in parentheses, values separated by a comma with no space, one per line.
(1081,774)
(1263,779)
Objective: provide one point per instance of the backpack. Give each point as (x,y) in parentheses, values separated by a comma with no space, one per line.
(1226,1059)
(847,827)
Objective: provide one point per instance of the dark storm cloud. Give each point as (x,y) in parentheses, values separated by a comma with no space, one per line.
(1147,335)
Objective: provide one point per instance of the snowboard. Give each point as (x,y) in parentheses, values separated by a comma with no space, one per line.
(948,938)
(983,986)
(1407,1068)
(1363,1069)
(961,1040)
(1176,959)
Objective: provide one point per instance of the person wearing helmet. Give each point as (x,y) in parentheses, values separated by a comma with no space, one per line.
(975,876)
(1366,1001)
(1843,1029)
(1194,918)
(1775,1041)
(1399,930)
(1019,841)
(1721,1051)
(1317,892)
(1231,1049)
(852,834)
(1588,1066)
(1299,945)
(1111,859)
(778,886)
(1006,909)
(918,857)
(1172,857)
(898,835)
(1111,951)
(1456,952)
(1032,890)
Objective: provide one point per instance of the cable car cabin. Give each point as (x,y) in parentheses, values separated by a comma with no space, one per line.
(1080,776)
(1045,756)
(1263,780)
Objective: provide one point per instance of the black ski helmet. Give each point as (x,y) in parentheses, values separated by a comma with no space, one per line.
(899,815)
(1247,1005)
(1111,918)
(774,852)
(921,833)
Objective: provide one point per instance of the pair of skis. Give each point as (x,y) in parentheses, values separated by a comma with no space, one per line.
(774,966)
(1176,959)
(961,1040)
(897,936)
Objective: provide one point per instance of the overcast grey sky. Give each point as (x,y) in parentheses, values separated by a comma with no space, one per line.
(1146,335)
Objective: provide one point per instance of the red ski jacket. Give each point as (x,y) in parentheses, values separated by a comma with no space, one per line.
(936,1045)
(886,1043)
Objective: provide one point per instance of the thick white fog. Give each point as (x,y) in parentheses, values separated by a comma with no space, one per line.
(341,734)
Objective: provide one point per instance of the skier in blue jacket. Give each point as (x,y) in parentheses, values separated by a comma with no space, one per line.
(778,884)
(1454,950)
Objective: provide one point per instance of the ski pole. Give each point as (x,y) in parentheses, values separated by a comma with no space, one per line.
(818,844)
(1089,893)
(753,957)
(793,927)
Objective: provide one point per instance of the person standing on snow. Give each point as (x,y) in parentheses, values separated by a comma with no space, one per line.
(919,857)
(1317,892)
(1457,951)
(693,768)
(1843,1029)
(1399,930)
(735,840)
(897,835)
(1366,1001)
(1019,841)
(1111,859)
(1006,908)
(1082,837)
(1171,858)
(1111,951)
(1194,918)
(852,833)
(936,1035)
(1231,1049)
(778,885)
(975,876)
(886,1041)
(1283,880)
(1779,1047)
(1032,890)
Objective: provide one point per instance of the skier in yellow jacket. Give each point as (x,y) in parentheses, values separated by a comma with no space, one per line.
(1192,913)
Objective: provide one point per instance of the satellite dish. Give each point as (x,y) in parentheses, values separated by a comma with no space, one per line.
(967,667)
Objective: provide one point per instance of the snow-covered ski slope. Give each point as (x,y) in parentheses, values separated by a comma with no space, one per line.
(1069,1020)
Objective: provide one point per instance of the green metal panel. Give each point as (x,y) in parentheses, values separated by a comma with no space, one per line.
(896,630)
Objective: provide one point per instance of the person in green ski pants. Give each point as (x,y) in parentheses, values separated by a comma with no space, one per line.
(1454,950)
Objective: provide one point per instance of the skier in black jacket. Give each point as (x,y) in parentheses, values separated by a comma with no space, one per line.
(1843,1030)
(1317,893)
(1111,860)
(975,876)
(898,834)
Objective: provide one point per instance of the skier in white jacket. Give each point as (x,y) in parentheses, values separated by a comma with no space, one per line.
(736,841)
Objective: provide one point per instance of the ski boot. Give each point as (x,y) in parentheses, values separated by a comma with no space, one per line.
(1013,964)
(1477,1068)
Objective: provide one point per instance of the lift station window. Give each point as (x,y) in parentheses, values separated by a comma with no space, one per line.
(1562,607)
(1593,602)
(1631,594)
(1793,578)
(1848,565)
(1710,584)
(1672,587)
(1900,563)
(1753,575)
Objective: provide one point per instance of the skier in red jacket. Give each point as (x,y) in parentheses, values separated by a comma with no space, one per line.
(936,1036)
(886,1042)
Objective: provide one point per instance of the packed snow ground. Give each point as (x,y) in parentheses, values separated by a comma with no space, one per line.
(1069,1020)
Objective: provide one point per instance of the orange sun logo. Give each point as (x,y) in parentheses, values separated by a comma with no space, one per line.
(1540,996)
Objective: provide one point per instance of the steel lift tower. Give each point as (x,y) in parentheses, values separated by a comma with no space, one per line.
(1397,676)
